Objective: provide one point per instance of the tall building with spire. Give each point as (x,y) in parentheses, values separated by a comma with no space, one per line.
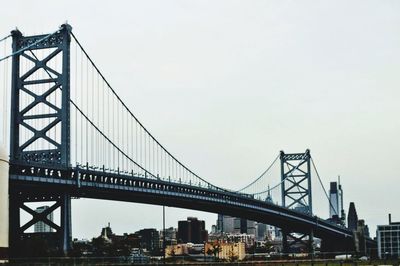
(342,212)
(269,197)
(264,231)
(336,210)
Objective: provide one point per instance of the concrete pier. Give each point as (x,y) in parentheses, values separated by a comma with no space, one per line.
(4,205)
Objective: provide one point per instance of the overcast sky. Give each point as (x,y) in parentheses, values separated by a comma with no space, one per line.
(226,85)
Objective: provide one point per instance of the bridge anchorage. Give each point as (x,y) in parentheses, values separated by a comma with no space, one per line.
(72,136)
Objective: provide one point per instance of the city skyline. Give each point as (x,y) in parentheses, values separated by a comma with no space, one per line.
(335,96)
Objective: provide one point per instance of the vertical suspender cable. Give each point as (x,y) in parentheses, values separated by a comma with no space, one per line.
(108,130)
(127,143)
(87,108)
(55,101)
(81,96)
(93,97)
(112,130)
(77,99)
(118,134)
(140,143)
(145,151)
(107,154)
(131,139)
(104,107)
(121,145)
(99,123)
(158,161)
(136,139)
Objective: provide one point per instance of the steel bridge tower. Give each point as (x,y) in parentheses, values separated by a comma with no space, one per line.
(296,194)
(40,130)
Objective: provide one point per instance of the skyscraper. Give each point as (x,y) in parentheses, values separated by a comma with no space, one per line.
(220,223)
(334,200)
(149,239)
(342,212)
(261,231)
(336,211)
(41,227)
(264,230)
(235,225)
(192,230)
(352,217)
(228,224)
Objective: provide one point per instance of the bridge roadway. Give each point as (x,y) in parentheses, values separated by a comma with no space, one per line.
(33,183)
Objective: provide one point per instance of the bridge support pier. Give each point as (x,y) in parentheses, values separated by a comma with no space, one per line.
(66,224)
(311,248)
(56,242)
(335,245)
(296,242)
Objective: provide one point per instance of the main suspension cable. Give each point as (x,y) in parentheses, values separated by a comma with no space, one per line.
(258,178)
(5,38)
(283,180)
(138,122)
(111,142)
(320,181)
(29,46)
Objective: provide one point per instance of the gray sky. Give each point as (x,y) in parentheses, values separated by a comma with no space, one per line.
(225,85)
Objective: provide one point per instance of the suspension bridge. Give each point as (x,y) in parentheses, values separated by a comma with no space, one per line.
(71,136)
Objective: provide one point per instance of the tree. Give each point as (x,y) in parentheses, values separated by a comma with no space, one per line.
(231,256)
(172,252)
(216,249)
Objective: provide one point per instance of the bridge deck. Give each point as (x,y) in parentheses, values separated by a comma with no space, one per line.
(80,182)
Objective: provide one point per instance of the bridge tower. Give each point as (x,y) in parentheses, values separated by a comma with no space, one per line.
(40,131)
(296,194)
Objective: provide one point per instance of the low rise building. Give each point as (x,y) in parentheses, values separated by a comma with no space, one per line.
(176,250)
(388,240)
(223,250)
(232,251)
(170,237)
(248,240)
